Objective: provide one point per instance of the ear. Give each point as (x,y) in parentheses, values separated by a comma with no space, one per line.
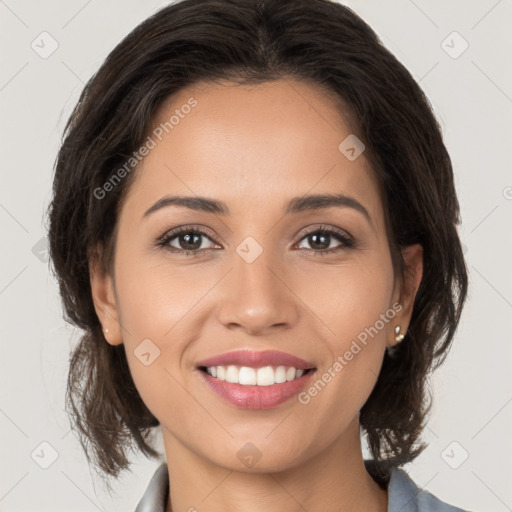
(406,288)
(103,295)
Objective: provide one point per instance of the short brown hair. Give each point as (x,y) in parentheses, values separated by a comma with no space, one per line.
(252,41)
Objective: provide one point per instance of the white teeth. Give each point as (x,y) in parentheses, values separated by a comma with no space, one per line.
(247,376)
(266,376)
(280,374)
(232,374)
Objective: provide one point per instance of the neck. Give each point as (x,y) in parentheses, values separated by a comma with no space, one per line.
(334,479)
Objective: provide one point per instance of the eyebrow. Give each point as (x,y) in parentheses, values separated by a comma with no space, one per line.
(295,205)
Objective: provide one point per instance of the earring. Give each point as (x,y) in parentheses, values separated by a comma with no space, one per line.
(106,331)
(398,337)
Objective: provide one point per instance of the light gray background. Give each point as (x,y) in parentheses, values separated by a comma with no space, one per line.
(472,95)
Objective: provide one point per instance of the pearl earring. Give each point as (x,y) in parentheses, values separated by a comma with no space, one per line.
(398,336)
(106,331)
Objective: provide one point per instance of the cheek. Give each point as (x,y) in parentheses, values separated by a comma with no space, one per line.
(355,303)
(348,298)
(358,310)
(154,307)
(153,298)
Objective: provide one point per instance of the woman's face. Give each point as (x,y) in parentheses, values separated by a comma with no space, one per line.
(250,159)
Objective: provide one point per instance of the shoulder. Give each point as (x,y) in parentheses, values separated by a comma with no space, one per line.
(405,496)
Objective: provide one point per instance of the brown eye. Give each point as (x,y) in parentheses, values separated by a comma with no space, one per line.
(187,241)
(322,240)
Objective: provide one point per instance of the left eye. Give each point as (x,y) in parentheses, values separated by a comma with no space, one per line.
(321,240)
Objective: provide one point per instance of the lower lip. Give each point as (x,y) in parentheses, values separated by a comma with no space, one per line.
(256,397)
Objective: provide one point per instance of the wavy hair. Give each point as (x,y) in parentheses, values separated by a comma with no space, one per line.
(254,41)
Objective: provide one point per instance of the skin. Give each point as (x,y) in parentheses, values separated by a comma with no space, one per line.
(255,148)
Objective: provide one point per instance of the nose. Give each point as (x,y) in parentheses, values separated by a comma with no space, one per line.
(256,298)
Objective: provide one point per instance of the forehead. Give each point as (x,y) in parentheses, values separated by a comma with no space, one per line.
(251,143)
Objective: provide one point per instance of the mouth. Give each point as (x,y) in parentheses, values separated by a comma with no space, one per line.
(256,380)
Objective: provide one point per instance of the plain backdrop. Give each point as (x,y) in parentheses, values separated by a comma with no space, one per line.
(456,49)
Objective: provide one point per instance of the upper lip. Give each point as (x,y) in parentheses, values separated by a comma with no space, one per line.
(257,359)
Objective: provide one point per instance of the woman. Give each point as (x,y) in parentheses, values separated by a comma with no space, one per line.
(254,221)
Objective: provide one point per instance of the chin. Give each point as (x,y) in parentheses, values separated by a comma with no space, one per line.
(258,456)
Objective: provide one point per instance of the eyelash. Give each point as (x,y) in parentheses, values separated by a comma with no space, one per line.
(346,240)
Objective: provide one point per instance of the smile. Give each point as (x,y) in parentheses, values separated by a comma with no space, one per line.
(256,380)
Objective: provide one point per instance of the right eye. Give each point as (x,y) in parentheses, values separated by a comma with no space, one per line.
(189,241)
